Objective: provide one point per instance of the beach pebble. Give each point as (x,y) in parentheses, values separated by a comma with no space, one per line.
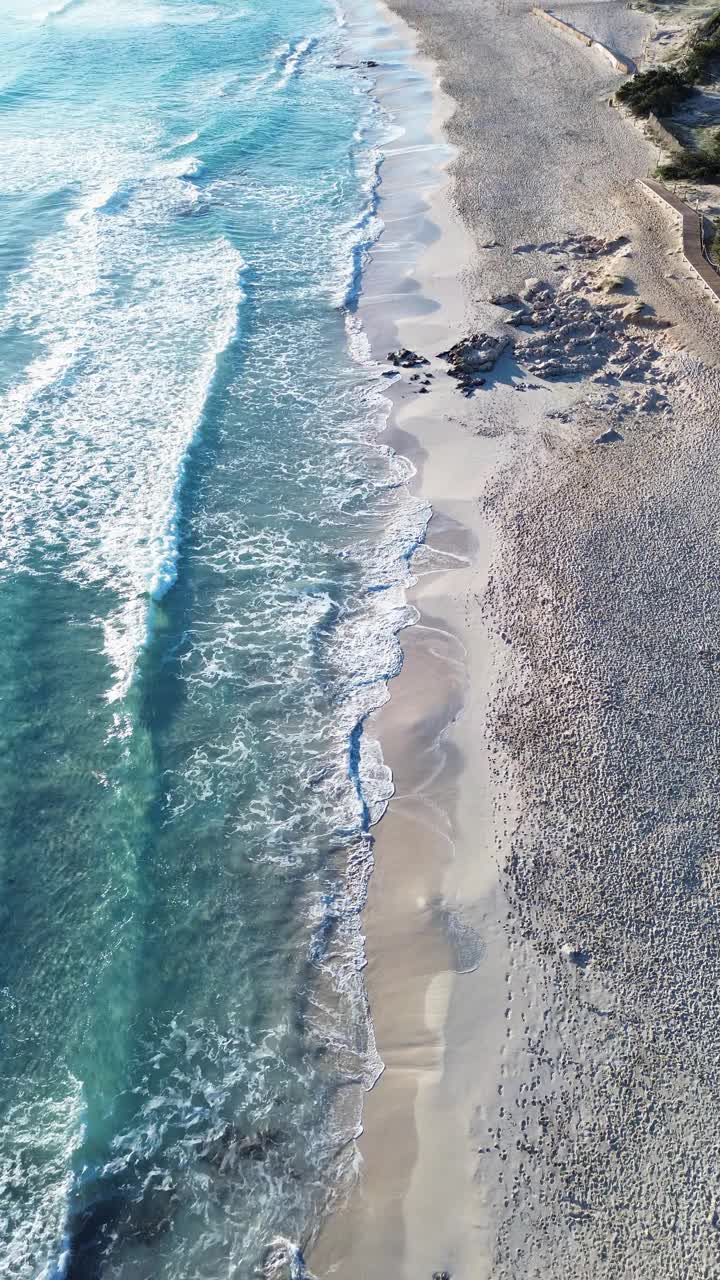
(506,300)
(576,955)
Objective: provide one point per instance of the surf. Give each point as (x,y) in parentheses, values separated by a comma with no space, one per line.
(207,545)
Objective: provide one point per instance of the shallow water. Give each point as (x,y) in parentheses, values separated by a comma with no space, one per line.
(204,548)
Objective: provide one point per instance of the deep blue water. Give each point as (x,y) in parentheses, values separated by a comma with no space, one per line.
(203,551)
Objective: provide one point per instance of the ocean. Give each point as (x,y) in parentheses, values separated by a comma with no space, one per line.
(204,553)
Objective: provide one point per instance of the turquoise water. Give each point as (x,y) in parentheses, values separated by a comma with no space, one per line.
(204,548)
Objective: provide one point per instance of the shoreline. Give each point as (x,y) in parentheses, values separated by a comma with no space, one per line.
(423,919)
(471,1159)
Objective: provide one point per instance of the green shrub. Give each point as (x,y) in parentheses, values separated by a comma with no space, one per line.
(691,166)
(655,91)
(710,24)
(700,166)
(703,48)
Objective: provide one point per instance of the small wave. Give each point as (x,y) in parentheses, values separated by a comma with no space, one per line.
(278,56)
(132,14)
(165,572)
(57,10)
(187,140)
(294,59)
(98,199)
(183,167)
(359,237)
(363,234)
(284,1257)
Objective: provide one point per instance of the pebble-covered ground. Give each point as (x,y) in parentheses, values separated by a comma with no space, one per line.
(607,725)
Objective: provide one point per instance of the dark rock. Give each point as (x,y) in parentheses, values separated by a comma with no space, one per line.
(231,1146)
(259,1144)
(404,359)
(471,357)
(548,369)
(608,437)
(520,317)
(511,300)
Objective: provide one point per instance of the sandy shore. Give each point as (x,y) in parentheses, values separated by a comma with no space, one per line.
(542,968)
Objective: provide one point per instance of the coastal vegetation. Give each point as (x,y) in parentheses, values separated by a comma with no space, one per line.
(654,92)
(659,90)
(702,165)
(703,49)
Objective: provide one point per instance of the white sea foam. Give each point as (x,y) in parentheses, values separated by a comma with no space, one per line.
(291,63)
(30,1238)
(56,10)
(183,167)
(187,140)
(109,14)
(99,463)
(111,406)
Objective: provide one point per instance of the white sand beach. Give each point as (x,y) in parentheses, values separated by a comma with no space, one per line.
(542,966)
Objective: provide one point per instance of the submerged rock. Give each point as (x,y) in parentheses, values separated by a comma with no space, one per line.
(231,1146)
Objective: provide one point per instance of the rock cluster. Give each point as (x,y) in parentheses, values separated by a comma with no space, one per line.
(470,358)
(577,246)
(405,359)
(574,333)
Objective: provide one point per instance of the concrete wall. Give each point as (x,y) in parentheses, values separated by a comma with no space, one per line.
(664,137)
(623,65)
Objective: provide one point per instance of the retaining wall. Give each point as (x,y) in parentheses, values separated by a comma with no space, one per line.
(624,65)
(666,139)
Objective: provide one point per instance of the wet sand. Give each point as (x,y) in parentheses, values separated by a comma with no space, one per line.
(541,964)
